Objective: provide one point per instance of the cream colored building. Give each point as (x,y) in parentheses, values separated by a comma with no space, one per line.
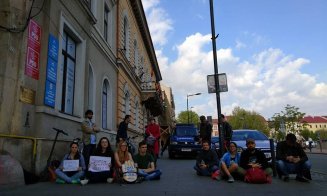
(139,91)
(314,123)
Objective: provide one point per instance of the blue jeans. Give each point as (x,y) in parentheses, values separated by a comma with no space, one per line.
(154,175)
(287,168)
(69,176)
(206,171)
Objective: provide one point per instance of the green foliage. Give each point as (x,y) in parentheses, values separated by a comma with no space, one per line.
(243,119)
(322,134)
(306,133)
(183,117)
(287,121)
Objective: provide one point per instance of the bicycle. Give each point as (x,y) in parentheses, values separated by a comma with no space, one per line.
(130,144)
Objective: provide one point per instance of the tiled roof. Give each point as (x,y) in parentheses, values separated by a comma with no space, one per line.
(313,119)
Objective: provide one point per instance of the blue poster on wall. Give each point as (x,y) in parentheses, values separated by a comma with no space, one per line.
(52,70)
(53,47)
(50,94)
(51,75)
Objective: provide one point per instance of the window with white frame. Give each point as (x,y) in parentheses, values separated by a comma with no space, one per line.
(105,100)
(136,58)
(68,66)
(126,100)
(137,116)
(91,89)
(126,37)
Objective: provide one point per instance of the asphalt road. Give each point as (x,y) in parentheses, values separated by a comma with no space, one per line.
(318,162)
(179,178)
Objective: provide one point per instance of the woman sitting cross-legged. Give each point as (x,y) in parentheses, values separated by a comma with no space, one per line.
(229,163)
(72,166)
(101,154)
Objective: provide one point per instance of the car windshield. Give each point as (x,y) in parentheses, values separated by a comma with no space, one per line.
(243,135)
(186,131)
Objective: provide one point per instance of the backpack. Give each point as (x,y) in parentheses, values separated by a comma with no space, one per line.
(256,176)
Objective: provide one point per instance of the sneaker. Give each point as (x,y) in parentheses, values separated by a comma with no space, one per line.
(110,180)
(301,179)
(286,178)
(60,181)
(230,179)
(84,182)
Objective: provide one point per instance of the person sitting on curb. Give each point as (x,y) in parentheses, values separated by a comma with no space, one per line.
(229,163)
(291,158)
(252,157)
(103,149)
(145,164)
(206,160)
(71,176)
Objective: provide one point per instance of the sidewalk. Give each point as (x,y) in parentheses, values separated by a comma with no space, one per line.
(316,151)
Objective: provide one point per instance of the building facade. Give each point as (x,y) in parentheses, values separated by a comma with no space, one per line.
(60,58)
(139,91)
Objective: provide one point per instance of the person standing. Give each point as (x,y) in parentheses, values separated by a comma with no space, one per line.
(291,158)
(227,131)
(89,138)
(153,130)
(122,129)
(205,130)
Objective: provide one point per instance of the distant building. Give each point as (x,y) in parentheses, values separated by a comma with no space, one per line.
(314,123)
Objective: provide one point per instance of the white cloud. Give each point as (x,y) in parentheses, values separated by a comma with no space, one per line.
(266,83)
(158,20)
(148,4)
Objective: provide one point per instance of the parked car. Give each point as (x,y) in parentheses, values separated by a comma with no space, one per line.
(240,137)
(313,144)
(184,141)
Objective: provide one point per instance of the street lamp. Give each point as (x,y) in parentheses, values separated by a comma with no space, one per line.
(188,115)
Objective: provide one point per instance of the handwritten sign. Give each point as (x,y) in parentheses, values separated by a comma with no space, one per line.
(70,165)
(99,164)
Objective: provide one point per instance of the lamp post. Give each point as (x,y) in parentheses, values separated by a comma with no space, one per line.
(188,115)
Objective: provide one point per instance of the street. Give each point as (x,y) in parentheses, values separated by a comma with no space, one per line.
(179,178)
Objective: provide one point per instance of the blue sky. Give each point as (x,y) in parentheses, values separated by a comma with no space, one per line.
(274,53)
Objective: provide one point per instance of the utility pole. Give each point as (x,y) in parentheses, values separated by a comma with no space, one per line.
(214,50)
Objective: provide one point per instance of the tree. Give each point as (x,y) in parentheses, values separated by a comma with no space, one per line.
(288,121)
(243,119)
(182,117)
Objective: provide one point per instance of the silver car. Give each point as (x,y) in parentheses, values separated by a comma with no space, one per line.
(261,140)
